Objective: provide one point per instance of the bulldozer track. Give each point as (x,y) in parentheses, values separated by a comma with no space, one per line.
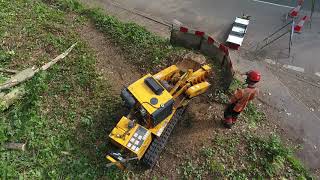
(151,156)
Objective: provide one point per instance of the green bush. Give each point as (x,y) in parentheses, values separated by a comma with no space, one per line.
(274,156)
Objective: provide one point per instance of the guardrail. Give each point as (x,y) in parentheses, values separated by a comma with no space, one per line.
(198,40)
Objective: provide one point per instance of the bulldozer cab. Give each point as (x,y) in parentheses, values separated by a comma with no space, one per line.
(155,103)
(148,100)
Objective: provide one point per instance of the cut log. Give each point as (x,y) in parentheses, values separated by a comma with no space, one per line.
(15,146)
(9,99)
(20,77)
(28,73)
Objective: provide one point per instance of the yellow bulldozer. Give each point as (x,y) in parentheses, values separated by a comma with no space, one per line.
(156,103)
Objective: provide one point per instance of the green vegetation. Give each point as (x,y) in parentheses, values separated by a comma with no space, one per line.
(255,157)
(64,116)
(252,115)
(276,158)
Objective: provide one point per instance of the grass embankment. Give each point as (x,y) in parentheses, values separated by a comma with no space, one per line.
(67,112)
(67,108)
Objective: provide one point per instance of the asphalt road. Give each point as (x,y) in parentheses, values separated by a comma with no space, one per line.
(306,5)
(216,17)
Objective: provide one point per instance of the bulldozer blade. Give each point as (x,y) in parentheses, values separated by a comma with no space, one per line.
(119,164)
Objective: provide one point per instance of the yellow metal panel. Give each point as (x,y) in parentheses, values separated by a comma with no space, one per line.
(206,68)
(144,94)
(166,73)
(121,134)
(197,89)
(200,75)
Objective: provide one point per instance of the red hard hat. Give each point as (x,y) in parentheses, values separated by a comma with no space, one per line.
(254,76)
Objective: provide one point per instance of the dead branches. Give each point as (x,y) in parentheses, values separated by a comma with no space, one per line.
(28,73)
(6,100)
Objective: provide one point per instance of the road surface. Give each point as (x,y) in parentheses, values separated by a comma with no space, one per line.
(215,17)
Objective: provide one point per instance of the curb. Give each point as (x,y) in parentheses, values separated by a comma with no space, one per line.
(290,67)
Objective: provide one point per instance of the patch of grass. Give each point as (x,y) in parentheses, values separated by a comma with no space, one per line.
(222,96)
(3,78)
(6,57)
(68,110)
(252,115)
(207,152)
(216,168)
(207,167)
(189,170)
(239,156)
(236,83)
(272,158)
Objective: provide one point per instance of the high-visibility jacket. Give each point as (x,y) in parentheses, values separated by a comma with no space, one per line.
(242,97)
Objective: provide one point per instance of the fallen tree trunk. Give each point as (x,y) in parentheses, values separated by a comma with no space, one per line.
(28,73)
(15,146)
(9,99)
(20,77)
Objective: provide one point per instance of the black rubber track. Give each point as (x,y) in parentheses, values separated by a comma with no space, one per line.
(152,154)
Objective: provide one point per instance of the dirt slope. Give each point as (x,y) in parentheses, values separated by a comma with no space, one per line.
(110,63)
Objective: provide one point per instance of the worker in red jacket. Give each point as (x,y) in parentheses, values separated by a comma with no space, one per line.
(241,98)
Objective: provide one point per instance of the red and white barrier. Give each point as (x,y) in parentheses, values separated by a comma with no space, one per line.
(198,40)
(186,37)
(294,12)
(224,49)
(209,39)
(184,29)
(197,33)
(300,2)
(299,26)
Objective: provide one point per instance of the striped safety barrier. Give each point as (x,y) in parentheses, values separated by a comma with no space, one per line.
(208,46)
(299,26)
(295,12)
